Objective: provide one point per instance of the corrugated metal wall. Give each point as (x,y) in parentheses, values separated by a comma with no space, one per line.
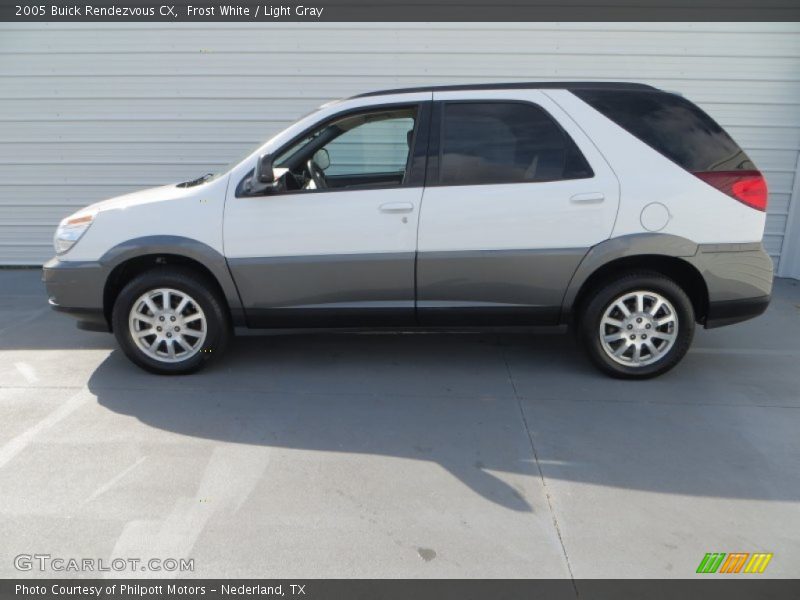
(92,111)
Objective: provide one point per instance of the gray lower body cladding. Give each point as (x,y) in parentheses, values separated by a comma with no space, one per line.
(439,289)
(485,288)
(346,290)
(494,288)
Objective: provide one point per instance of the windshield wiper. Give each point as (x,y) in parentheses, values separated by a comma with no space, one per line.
(197,181)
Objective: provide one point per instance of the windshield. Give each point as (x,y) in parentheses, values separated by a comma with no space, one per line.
(211,176)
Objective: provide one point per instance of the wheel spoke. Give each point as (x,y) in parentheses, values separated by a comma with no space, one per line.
(639,302)
(150,304)
(182,305)
(612,322)
(637,353)
(665,320)
(192,318)
(145,332)
(623,309)
(651,347)
(185,343)
(656,307)
(669,337)
(614,337)
(179,345)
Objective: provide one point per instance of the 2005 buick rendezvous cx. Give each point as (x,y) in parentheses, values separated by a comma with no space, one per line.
(618,208)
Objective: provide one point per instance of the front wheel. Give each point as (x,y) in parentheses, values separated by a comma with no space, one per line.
(638,326)
(170,321)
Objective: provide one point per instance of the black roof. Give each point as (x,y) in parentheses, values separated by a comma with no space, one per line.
(560,85)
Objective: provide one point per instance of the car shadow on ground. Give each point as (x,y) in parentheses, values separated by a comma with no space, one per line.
(441,398)
(476,405)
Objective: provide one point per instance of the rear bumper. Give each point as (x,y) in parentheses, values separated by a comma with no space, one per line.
(76,288)
(728,312)
(739,281)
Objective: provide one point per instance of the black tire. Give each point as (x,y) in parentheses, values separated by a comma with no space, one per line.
(201,290)
(604,296)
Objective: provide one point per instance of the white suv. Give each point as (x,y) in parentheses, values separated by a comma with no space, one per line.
(617,208)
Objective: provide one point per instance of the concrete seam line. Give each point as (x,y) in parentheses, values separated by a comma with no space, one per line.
(541,473)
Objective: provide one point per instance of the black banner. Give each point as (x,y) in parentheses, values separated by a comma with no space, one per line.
(733,588)
(395,10)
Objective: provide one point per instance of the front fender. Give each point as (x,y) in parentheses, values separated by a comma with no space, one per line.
(195,250)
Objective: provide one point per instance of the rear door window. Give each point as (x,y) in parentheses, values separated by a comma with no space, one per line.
(505,142)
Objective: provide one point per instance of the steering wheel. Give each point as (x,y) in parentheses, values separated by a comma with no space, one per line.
(317,174)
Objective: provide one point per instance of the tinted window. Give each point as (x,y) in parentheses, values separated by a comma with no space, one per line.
(671,125)
(505,142)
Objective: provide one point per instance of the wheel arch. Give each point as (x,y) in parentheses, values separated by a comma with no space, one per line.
(664,254)
(127,260)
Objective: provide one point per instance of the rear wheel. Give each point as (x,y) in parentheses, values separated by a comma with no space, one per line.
(637,326)
(170,321)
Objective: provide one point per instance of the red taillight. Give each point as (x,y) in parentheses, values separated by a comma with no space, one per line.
(748,187)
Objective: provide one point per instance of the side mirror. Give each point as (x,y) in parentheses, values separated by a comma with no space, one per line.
(264,172)
(322,158)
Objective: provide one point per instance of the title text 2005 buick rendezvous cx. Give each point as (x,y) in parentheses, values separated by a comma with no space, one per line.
(617,208)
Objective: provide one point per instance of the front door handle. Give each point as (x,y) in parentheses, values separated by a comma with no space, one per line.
(590,198)
(396,207)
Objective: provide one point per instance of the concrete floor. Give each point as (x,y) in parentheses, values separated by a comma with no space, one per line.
(398,455)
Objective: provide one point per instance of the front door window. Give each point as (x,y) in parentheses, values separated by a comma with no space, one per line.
(362,150)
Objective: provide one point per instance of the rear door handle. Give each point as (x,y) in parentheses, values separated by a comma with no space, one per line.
(396,207)
(590,198)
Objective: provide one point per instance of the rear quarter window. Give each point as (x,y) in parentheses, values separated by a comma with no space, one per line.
(672,126)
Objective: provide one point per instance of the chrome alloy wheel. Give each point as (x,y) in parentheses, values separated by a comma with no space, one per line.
(167,325)
(638,328)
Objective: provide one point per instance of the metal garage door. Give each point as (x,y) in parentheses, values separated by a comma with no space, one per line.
(92,111)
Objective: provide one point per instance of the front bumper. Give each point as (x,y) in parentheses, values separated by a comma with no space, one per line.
(76,288)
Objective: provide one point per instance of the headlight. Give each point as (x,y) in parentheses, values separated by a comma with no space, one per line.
(70,231)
